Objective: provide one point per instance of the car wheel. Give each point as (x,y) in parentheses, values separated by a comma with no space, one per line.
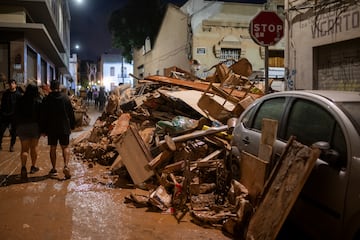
(235,168)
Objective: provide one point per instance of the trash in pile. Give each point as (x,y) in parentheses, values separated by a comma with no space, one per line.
(172,138)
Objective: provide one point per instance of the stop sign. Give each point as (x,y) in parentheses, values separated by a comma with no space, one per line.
(266,28)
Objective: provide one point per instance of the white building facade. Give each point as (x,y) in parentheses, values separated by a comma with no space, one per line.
(73,69)
(115,71)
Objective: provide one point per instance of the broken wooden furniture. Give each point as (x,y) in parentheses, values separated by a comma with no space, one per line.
(135,155)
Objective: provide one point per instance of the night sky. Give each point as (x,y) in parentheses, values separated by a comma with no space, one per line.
(89,25)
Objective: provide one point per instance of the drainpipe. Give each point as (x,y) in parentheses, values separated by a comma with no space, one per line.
(287,47)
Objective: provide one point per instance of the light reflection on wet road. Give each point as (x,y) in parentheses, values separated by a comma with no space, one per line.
(82,208)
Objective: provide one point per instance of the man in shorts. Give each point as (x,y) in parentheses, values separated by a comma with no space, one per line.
(58,120)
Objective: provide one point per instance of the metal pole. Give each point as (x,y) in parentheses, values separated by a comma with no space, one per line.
(122,68)
(266,69)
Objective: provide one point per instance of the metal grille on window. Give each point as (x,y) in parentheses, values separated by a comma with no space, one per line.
(230,54)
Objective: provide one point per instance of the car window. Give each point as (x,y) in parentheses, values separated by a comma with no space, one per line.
(351,109)
(271,109)
(338,144)
(246,120)
(311,123)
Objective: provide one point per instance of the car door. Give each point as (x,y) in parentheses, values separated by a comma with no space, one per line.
(248,131)
(321,202)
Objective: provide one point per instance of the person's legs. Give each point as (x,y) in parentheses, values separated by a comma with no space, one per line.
(64,142)
(34,154)
(12,131)
(52,142)
(25,145)
(53,156)
(66,154)
(3,125)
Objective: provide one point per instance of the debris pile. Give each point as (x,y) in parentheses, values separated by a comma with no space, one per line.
(178,152)
(80,111)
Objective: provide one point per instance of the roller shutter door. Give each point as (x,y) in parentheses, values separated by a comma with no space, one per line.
(337,66)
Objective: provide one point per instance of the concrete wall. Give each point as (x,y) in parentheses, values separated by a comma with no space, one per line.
(169,49)
(218,25)
(198,31)
(308,31)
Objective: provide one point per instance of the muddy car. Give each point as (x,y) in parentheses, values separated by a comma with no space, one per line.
(329,205)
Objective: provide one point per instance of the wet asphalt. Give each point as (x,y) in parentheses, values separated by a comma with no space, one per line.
(85,207)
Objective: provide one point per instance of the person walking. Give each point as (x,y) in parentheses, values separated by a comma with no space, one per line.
(96,97)
(58,120)
(102,98)
(27,116)
(7,113)
(89,95)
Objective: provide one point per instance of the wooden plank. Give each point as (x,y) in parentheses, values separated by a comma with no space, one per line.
(160,158)
(197,85)
(294,168)
(135,155)
(265,152)
(268,136)
(269,131)
(252,174)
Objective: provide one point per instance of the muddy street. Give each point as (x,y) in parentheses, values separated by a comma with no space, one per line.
(87,206)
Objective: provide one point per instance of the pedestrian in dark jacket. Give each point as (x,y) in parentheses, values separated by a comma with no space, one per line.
(27,115)
(102,98)
(7,113)
(58,120)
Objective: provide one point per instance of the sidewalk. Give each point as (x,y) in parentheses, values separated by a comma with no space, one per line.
(86,206)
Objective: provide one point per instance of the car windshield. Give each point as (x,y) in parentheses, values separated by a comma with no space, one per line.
(351,109)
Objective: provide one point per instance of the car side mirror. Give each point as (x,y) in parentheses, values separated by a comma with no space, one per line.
(328,155)
(231,123)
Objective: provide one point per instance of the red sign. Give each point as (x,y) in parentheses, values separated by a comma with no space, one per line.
(266,28)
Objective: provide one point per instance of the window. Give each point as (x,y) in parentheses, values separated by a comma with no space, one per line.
(43,71)
(112,71)
(271,109)
(338,144)
(311,123)
(31,66)
(276,58)
(230,54)
(4,59)
(124,72)
(201,50)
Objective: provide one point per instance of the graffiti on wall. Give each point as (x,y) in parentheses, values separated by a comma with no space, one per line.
(340,73)
(336,22)
(290,79)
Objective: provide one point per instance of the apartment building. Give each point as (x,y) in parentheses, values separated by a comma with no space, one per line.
(35,40)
